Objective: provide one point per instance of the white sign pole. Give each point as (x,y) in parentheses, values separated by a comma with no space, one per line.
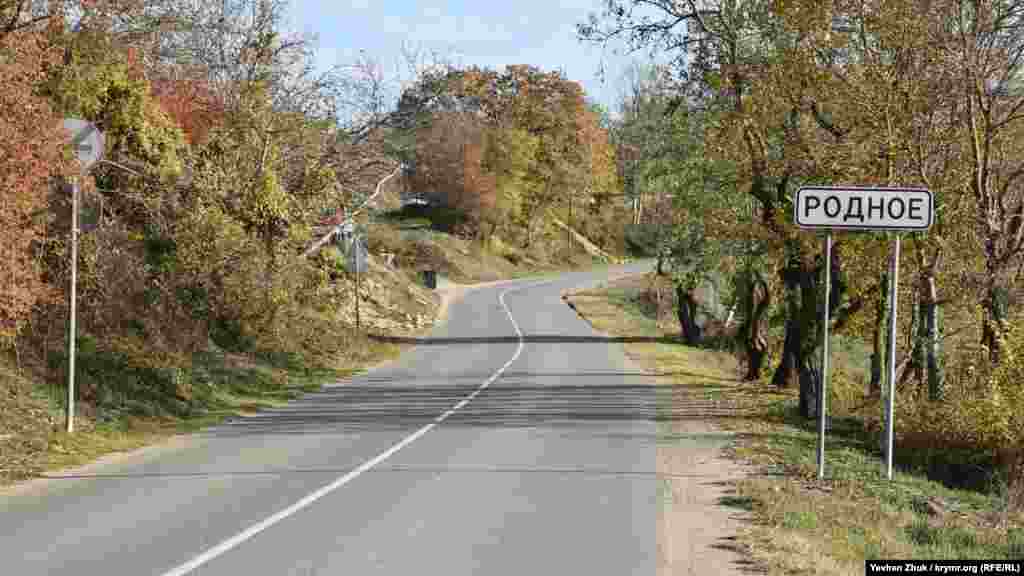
(72,329)
(894,271)
(88,144)
(823,392)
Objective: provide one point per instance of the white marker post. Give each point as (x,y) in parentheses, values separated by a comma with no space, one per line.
(843,208)
(88,143)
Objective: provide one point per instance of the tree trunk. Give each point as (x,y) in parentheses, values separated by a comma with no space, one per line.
(786,375)
(804,329)
(932,344)
(918,327)
(995,319)
(877,340)
(756,300)
(686,310)
(808,346)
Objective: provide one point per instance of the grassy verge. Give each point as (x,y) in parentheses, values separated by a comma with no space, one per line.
(32,422)
(132,396)
(802,525)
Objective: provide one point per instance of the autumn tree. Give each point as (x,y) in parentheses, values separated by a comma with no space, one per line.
(32,151)
(562,157)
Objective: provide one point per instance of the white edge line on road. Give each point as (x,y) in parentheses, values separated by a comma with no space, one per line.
(262,525)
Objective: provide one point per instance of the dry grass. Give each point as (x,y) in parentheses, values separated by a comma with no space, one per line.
(31,420)
(801,525)
(693,526)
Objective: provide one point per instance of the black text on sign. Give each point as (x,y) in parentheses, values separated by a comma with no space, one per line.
(864,208)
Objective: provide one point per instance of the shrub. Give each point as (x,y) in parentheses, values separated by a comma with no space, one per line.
(979,417)
(641,240)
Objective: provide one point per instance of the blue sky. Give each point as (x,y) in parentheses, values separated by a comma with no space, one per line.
(481,32)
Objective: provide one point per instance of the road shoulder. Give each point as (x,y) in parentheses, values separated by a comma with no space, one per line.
(697,526)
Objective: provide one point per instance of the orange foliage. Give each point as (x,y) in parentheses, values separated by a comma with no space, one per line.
(191,103)
(449,168)
(31,144)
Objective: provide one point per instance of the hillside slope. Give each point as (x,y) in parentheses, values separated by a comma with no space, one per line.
(214,384)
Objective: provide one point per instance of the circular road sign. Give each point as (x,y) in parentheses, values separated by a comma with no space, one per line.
(86,140)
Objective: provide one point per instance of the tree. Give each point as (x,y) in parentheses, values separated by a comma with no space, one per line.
(450,156)
(32,151)
(562,154)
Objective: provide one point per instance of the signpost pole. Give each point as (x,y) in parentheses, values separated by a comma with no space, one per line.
(355,266)
(894,270)
(823,392)
(72,328)
(87,142)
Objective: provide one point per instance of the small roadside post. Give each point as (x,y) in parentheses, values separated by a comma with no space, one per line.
(87,142)
(832,208)
(357,264)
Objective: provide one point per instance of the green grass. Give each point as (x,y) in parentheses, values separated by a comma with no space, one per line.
(221,385)
(803,525)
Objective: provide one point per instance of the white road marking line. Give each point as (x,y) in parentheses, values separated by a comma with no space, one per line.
(262,525)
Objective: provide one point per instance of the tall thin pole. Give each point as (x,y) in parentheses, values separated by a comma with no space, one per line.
(568,229)
(355,265)
(894,274)
(72,329)
(823,392)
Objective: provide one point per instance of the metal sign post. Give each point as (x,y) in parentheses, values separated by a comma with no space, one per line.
(72,329)
(862,208)
(88,144)
(890,401)
(823,393)
(357,263)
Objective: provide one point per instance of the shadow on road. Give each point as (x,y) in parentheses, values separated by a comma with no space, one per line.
(514,401)
(589,471)
(527,338)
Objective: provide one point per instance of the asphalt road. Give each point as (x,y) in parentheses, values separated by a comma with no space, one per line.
(512,441)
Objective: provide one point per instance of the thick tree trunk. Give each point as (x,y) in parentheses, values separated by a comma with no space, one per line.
(804,329)
(686,311)
(756,303)
(808,355)
(787,374)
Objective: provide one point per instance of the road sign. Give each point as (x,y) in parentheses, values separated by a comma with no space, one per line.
(86,140)
(856,208)
(862,208)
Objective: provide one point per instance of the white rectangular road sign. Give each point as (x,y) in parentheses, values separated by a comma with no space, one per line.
(857,208)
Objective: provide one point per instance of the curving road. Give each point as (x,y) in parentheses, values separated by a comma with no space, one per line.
(511,441)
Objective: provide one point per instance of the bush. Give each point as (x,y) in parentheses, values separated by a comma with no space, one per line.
(25,422)
(979,419)
(641,240)
(123,375)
